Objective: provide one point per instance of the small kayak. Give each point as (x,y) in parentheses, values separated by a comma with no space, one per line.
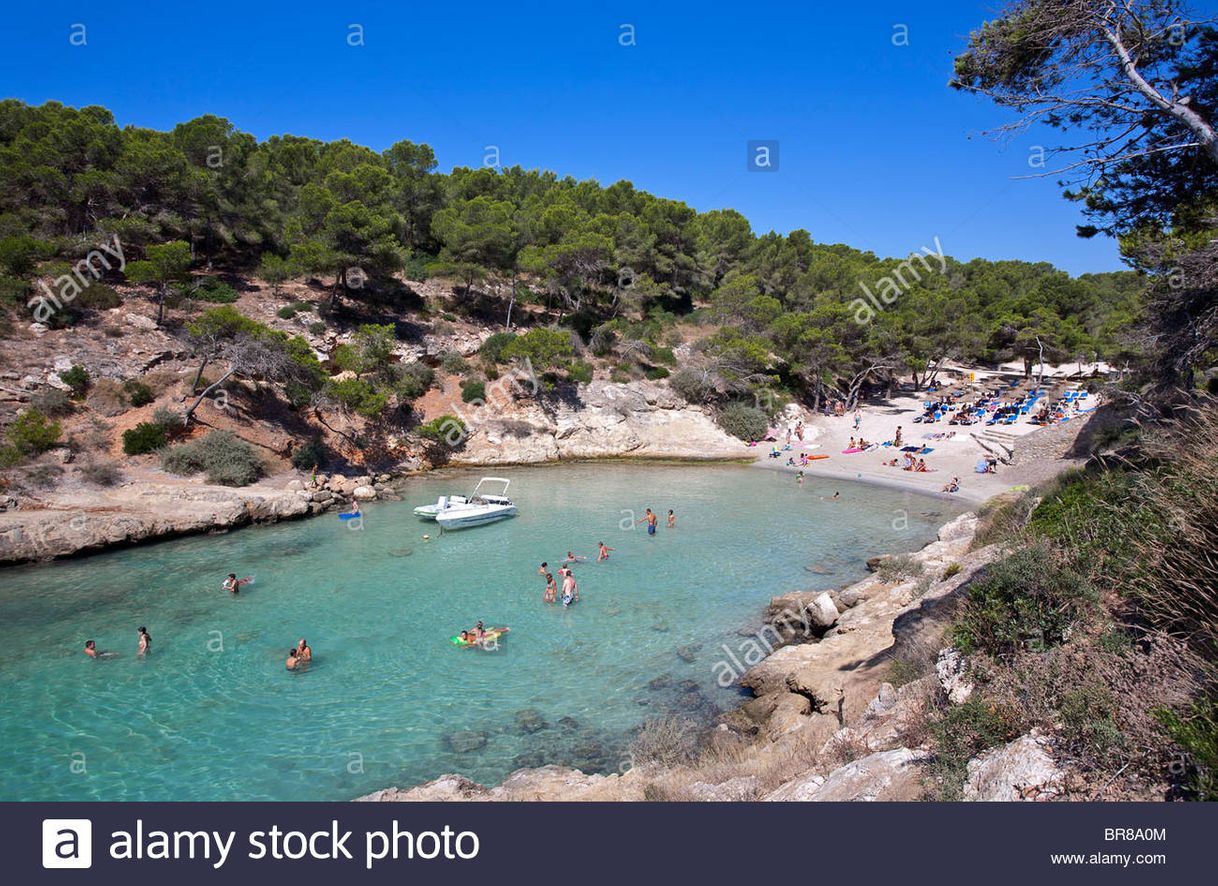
(491,635)
(349,516)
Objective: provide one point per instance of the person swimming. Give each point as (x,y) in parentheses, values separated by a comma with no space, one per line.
(672,520)
(293,659)
(603,551)
(543,568)
(303,651)
(145,641)
(232,584)
(91,648)
(574,558)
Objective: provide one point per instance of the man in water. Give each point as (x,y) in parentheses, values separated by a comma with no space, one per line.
(232,584)
(572,558)
(91,648)
(543,568)
(304,652)
(145,642)
(834,497)
(293,660)
(570,590)
(651,520)
(603,551)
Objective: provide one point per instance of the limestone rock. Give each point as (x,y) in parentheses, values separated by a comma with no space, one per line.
(734,790)
(887,775)
(951,670)
(364,493)
(1021,770)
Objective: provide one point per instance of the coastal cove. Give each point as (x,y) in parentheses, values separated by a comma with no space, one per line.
(212,714)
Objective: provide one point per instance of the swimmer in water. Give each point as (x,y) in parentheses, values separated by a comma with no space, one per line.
(551,594)
(293,660)
(232,584)
(304,652)
(543,569)
(573,558)
(603,551)
(672,520)
(570,589)
(834,497)
(355,511)
(145,641)
(651,520)
(91,648)
(801,478)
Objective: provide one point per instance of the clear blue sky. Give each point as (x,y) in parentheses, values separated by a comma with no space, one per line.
(875,150)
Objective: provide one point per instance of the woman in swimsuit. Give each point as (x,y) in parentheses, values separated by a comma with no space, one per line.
(145,641)
(551,594)
(602,551)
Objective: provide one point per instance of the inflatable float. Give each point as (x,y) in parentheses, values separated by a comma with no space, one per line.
(491,635)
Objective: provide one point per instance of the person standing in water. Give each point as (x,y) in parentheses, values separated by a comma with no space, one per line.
(145,641)
(304,652)
(551,594)
(602,551)
(570,589)
(672,520)
(293,659)
(651,520)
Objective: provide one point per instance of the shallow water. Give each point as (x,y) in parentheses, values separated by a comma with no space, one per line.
(212,714)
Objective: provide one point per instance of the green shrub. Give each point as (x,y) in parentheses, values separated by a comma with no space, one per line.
(492,349)
(32,433)
(98,297)
(664,355)
(950,570)
(213,291)
(962,732)
(580,372)
(358,394)
(1089,719)
(454,363)
(76,378)
(14,291)
(413,380)
(317,327)
(447,430)
(226,458)
(1030,600)
(473,390)
(1197,735)
(655,373)
(137,392)
(743,421)
(143,438)
(287,312)
(694,385)
(620,376)
(311,452)
(52,402)
(167,420)
(602,341)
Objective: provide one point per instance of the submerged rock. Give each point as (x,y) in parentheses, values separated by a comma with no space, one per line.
(687,653)
(661,682)
(529,720)
(466,741)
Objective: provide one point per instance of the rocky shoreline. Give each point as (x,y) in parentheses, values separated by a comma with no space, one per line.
(642,421)
(825,722)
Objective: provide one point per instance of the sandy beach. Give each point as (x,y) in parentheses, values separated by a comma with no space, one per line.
(1040,452)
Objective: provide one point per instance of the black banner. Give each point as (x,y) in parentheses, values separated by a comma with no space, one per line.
(606,843)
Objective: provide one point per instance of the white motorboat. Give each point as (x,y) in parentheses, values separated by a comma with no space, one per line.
(443,503)
(479,508)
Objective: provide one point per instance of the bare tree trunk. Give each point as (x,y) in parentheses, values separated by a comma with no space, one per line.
(194,385)
(190,410)
(511,303)
(160,306)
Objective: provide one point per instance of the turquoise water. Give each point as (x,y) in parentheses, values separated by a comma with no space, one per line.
(212,714)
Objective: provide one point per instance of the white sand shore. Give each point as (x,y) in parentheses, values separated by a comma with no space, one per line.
(956,457)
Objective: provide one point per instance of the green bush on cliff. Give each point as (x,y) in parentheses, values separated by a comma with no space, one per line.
(1029,601)
(473,391)
(743,421)
(145,437)
(137,392)
(32,433)
(226,458)
(447,430)
(76,378)
(492,349)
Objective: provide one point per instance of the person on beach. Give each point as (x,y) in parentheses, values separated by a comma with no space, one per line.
(602,552)
(651,520)
(799,431)
(293,659)
(953,486)
(145,641)
(921,467)
(858,418)
(551,593)
(313,476)
(672,520)
(896,439)
(303,651)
